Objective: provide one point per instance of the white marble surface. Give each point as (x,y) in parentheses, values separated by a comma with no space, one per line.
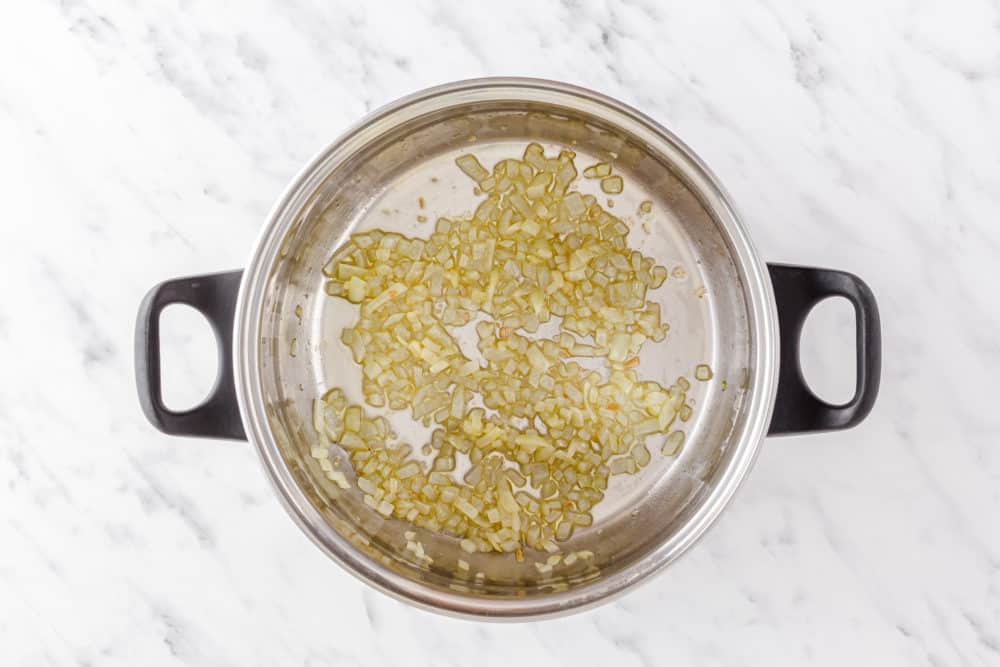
(147,140)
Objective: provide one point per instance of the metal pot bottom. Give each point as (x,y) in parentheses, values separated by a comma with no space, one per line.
(289,350)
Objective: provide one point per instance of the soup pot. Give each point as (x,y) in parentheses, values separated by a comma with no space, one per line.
(279,338)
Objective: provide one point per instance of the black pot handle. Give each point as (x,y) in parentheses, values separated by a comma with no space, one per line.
(797,289)
(214,296)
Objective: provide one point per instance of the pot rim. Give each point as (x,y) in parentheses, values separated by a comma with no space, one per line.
(246,350)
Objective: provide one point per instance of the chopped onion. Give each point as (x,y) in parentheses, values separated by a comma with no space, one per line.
(469,164)
(612,185)
(673,443)
(338,478)
(599,170)
(550,431)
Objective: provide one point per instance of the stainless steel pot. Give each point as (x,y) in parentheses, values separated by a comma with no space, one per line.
(279,337)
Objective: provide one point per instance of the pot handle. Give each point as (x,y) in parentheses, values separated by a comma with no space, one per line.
(797,289)
(214,296)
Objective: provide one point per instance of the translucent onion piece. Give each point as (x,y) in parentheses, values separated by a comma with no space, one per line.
(612,185)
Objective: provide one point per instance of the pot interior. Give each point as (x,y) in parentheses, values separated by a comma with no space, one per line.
(373,179)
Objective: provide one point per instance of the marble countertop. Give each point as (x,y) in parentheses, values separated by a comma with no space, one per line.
(143,141)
